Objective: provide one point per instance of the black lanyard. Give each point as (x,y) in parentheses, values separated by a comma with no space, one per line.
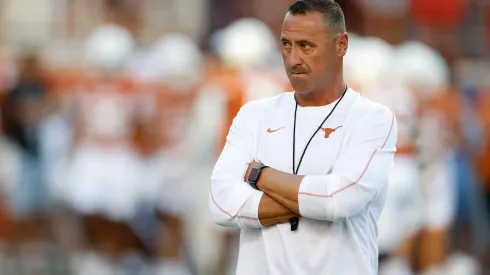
(294,221)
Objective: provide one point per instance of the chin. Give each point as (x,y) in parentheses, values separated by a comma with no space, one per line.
(300,85)
(301,89)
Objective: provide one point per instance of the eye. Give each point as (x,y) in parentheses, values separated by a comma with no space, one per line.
(286,45)
(305,46)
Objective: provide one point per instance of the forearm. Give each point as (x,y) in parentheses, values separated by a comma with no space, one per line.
(319,197)
(248,208)
(234,204)
(270,208)
(281,187)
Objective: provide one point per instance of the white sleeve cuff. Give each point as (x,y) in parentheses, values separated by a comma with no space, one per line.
(315,199)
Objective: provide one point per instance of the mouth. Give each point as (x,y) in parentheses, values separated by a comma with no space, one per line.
(298,74)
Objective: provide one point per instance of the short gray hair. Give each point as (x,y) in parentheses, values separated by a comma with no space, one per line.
(329,8)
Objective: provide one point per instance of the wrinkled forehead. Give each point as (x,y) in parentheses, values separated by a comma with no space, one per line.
(310,25)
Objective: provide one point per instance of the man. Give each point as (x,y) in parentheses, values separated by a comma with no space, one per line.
(329,152)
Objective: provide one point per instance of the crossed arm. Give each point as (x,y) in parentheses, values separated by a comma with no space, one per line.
(279,202)
(361,171)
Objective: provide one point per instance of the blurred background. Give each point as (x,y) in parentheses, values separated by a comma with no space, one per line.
(113,113)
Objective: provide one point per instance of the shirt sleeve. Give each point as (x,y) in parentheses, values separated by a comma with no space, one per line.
(360,173)
(233,203)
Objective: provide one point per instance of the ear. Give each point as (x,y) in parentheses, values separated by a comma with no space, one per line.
(342,44)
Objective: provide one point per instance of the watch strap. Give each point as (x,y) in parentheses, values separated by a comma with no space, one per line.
(254,175)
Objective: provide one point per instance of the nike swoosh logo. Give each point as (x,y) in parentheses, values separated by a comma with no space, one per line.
(272,131)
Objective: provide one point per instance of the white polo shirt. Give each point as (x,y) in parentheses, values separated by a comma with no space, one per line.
(340,198)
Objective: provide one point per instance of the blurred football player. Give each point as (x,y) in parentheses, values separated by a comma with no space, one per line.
(425,72)
(172,142)
(102,175)
(367,71)
(373,71)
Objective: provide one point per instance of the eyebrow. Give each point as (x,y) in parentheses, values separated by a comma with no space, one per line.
(283,39)
(305,41)
(330,36)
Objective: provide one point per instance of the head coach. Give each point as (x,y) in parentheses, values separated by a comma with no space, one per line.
(304,175)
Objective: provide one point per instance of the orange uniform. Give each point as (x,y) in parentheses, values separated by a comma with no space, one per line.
(230,82)
(104,107)
(241,88)
(163,113)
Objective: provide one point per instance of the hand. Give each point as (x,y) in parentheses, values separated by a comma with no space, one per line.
(250,166)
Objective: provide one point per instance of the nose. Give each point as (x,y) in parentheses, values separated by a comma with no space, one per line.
(293,58)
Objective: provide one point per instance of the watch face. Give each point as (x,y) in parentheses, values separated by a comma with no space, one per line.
(253,174)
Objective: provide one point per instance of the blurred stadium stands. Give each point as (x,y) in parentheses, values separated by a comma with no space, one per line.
(113,113)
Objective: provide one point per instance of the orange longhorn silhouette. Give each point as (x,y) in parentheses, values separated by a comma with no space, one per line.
(329,131)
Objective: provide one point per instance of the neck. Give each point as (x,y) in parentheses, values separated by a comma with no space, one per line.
(321,97)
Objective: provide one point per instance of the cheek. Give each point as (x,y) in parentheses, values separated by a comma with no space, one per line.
(327,61)
(319,64)
(322,68)
(284,58)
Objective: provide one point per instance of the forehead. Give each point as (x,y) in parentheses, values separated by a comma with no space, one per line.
(300,26)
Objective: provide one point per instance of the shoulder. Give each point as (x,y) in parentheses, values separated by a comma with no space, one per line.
(367,115)
(369,109)
(373,122)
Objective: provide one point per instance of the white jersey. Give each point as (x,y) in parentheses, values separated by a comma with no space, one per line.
(347,166)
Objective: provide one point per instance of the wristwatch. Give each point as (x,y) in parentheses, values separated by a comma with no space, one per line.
(253,176)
